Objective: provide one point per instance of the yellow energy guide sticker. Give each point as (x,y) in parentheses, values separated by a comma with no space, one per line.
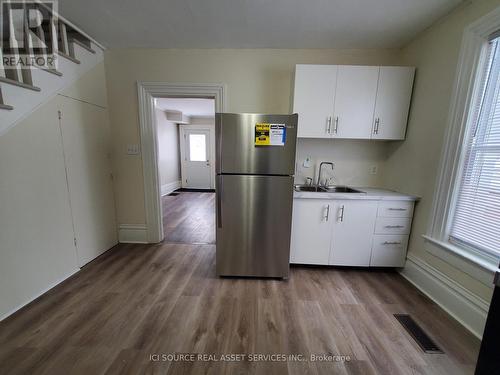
(270,134)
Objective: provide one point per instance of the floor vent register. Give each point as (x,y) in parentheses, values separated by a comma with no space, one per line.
(418,334)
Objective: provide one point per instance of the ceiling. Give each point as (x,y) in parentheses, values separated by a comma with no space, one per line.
(188,107)
(254,23)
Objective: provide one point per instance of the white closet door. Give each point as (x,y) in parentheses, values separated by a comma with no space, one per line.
(85,134)
(355,101)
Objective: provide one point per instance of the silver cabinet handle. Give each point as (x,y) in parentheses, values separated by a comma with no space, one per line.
(336,128)
(377,123)
(341,217)
(327,212)
(394,226)
(396,209)
(329,122)
(391,243)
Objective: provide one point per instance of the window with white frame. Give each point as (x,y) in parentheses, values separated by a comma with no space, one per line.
(464,225)
(474,221)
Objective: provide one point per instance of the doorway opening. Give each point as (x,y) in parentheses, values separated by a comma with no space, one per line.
(185,129)
(147,92)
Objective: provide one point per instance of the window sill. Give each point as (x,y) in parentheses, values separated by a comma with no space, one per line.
(481,268)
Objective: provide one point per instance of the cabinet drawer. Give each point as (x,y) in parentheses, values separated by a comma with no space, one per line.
(395,209)
(393,225)
(389,250)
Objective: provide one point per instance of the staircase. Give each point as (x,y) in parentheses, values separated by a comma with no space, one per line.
(24,89)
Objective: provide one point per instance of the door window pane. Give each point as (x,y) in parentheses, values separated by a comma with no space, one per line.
(197,147)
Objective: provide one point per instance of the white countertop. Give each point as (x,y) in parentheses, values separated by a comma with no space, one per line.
(369,194)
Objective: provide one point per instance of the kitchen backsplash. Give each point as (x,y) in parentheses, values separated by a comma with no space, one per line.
(357,162)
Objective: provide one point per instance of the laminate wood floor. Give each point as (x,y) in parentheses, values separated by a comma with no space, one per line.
(189,217)
(138,300)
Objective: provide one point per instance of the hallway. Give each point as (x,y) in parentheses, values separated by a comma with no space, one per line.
(189,217)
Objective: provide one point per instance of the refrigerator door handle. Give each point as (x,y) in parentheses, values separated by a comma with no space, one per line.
(219,202)
(218,144)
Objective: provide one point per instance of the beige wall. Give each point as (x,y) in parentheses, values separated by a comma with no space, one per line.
(413,164)
(36,234)
(168,149)
(257,81)
(352,158)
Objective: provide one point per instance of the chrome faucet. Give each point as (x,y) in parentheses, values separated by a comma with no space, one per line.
(319,173)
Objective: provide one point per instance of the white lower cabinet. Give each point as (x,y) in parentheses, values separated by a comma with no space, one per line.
(389,250)
(350,232)
(311,231)
(395,209)
(392,229)
(393,225)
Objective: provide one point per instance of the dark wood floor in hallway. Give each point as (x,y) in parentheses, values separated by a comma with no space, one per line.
(138,300)
(189,217)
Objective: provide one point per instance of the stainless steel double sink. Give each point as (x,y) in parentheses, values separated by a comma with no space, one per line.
(327,189)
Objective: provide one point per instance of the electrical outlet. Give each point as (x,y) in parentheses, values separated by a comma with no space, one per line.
(373,169)
(133,149)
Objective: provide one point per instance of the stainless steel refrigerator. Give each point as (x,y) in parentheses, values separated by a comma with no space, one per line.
(255,164)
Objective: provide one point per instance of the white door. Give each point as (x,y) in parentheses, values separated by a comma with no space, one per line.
(85,135)
(313,99)
(355,101)
(196,158)
(393,102)
(311,231)
(353,227)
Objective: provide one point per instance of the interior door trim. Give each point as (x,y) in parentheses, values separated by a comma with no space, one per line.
(147,91)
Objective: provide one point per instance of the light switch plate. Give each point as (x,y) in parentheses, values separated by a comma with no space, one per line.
(133,149)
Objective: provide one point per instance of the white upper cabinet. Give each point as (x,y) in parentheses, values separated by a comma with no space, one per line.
(355,101)
(393,102)
(313,99)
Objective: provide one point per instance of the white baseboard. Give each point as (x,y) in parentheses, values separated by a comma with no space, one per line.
(467,308)
(132,233)
(45,290)
(170,187)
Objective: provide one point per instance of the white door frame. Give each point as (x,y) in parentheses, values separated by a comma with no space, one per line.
(211,149)
(146,92)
